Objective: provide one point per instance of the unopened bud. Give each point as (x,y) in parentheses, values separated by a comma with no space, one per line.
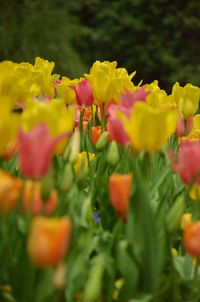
(94,281)
(173,219)
(47,185)
(113,154)
(74,146)
(67,178)
(185,220)
(59,276)
(102,140)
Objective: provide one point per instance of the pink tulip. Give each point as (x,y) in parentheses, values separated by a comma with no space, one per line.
(180,130)
(84,93)
(188,164)
(115,126)
(35,150)
(128,98)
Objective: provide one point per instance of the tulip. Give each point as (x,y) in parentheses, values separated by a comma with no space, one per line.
(84,93)
(96,133)
(184,128)
(48,240)
(191,238)
(194,134)
(35,150)
(188,163)
(101,143)
(149,128)
(33,202)
(9,192)
(115,125)
(65,92)
(113,156)
(81,163)
(54,114)
(11,149)
(120,190)
(187,99)
(107,81)
(194,192)
(186,219)
(128,98)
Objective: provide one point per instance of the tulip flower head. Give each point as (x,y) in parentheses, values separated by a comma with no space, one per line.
(149,128)
(120,190)
(35,150)
(188,162)
(9,192)
(192,238)
(84,93)
(33,202)
(128,98)
(115,125)
(48,240)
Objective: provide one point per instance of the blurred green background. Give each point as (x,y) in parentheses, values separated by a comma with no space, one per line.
(158,38)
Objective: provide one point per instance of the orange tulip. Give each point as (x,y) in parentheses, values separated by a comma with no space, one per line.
(96,133)
(32,200)
(9,192)
(192,238)
(120,189)
(12,148)
(48,240)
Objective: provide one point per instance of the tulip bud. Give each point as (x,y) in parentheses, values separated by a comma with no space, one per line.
(120,190)
(194,192)
(96,133)
(174,252)
(113,154)
(47,185)
(173,219)
(59,276)
(94,282)
(192,238)
(67,178)
(9,192)
(185,220)
(48,240)
(102,140)
(74,146)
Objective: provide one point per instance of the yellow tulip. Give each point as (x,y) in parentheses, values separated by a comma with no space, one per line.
(194,134)
(81,163)
(194,192)
(108,82)
(185,220)
(9,125)
(149,128)
(65,92)
(54,113)
(187,99)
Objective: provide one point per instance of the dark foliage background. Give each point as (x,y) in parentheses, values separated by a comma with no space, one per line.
(158,38)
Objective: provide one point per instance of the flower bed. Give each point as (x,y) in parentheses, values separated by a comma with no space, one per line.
(99,187)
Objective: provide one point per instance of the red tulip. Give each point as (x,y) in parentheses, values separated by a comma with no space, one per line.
(84,93)
(35,150)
